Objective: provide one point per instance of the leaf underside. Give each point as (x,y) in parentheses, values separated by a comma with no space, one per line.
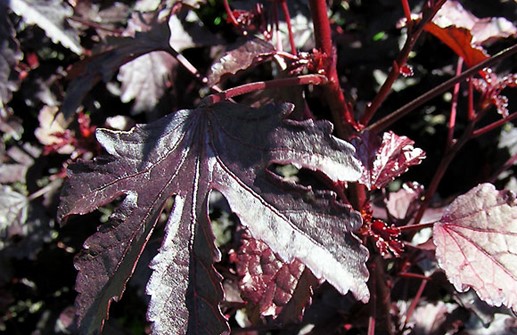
(476,244)
(277,288)
(227,147)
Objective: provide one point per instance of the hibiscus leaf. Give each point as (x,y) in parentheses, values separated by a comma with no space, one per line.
(483,30)
(10,55)
(476,244)
(227,147)
(242,56)
(146,79)
(51,17)
(385,159)
(267,281)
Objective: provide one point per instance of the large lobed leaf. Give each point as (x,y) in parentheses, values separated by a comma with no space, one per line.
(476,244)
(227,147)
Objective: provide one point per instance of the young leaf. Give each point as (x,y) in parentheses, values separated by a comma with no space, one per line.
(267,281)
(476,244)
(51,17)
(383,160)
(227,147)
(460,41)
(242,56)
(464,33)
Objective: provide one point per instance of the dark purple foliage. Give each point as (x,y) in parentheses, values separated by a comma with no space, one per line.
(237,203)
(227,147)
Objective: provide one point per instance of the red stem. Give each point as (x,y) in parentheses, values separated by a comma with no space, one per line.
(341,114)
(385,89)
(308,79)
(407,13)
(409,107)
(413,275)
(454,104)
(414,303)
(285,9)
(229,13)
(450,152)
(417,227)
(494,125)
(471,110)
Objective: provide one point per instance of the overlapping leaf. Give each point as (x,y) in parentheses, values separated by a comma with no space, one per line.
(483,30)
(269,282)
(13,210)
(51,17)
(464,33)
(385,159)
(145,34)
(146,79)
(10,55)
(243,56)
(227,147)
(476,244)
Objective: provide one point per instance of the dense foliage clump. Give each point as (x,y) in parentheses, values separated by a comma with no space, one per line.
(262,167)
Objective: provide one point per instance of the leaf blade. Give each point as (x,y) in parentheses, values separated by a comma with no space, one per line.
(475,244)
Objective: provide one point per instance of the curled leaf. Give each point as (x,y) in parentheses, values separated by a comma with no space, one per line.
(385,159)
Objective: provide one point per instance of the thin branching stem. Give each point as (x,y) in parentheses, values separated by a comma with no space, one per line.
(415,301)
(229,13)
(454,105)
(494,125)
(449,154)
(400,61)
(413,105)
(341,113)
(308,79)
(415,227)
(508,164)
(471,109)
(285,10)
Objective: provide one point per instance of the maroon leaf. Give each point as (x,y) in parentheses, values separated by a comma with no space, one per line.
(50,15)
(483,30)
(476,243)
(401,205)
(460,41)
(227,147)
(146,79)
(269,282)
(13,210)
(87,73)
(243,56)
(387,159)
(145,34)
(10,55)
